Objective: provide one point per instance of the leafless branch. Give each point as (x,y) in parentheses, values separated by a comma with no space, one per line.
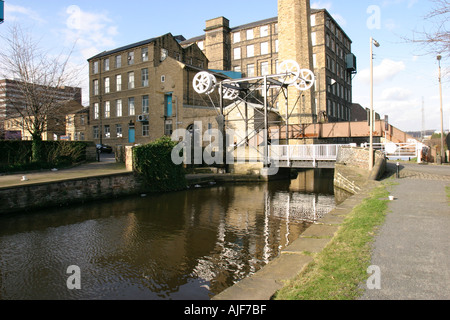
(38,77)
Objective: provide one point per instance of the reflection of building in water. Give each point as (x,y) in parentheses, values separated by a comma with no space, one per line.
(313,181)
(302,207)
(250,234)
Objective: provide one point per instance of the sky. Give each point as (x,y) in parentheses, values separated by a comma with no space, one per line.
(406,86)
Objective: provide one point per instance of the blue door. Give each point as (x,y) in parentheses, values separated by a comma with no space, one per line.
(168,105)
(131,135)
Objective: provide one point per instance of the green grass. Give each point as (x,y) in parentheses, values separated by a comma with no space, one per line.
(338,271)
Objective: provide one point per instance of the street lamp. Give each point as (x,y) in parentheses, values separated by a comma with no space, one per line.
(439,57)
(375,43)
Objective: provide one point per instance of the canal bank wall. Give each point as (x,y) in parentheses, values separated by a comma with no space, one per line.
(64,192)
(352,168)
(70,191)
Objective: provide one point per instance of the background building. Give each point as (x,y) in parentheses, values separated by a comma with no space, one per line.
(12,100)
(77,125)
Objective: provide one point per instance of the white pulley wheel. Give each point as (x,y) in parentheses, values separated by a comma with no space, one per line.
(229,93)
(306,80)
(213,85)
(203,82)
(290,71)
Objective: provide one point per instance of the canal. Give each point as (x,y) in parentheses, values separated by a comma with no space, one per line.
(188,245)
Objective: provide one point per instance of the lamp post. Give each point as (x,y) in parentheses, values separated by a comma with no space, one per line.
(439,57)
(371,119)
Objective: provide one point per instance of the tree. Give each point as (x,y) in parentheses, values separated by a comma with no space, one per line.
(436,39)
(38,78)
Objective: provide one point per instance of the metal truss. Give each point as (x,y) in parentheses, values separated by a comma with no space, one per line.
(262,90)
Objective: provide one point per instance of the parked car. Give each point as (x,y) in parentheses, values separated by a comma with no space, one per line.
(103,148)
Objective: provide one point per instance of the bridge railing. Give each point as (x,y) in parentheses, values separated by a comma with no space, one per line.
(399,150)
(316,152)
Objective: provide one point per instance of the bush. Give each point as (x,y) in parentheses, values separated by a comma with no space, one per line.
(153,161)
(17,155)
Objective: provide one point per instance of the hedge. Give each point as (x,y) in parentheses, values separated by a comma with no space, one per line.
(154,163)
(17,155)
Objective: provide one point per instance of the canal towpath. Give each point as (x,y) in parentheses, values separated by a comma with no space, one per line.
(411,248)
(106,166)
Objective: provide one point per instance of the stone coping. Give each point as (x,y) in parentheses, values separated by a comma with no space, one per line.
(293,259)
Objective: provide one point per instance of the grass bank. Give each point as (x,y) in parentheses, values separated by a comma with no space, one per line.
(338,271)
(447,189)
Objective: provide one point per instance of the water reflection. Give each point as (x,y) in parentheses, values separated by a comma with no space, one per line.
(184,245)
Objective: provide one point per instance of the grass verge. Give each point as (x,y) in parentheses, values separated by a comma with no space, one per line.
(338,271)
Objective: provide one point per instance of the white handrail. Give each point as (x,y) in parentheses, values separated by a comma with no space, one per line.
(318,152)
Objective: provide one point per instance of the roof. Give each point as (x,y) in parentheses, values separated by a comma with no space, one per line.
(84,110)
(229,74)
(234,29)
(127,47)
(259,23)
(255,24)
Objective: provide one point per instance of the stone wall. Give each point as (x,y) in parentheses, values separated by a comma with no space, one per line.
(91,152)
(352,168)
(61,193)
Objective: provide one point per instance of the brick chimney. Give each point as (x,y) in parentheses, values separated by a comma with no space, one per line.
(294,36)
(217,43)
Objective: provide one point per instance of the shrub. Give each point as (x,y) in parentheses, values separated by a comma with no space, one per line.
(153,161)
(17,155)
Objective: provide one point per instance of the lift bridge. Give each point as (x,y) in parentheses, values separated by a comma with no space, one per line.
(261,135)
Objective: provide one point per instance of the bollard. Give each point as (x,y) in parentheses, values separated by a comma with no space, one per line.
(398,170)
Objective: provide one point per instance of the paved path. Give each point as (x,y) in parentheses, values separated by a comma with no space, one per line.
(106,166)
(413,246)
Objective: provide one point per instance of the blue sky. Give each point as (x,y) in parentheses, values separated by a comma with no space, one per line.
(404,75)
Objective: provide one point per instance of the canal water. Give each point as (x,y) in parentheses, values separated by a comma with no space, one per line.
(188,245)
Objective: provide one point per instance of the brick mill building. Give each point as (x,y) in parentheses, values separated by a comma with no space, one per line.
(143,91)
(254,50)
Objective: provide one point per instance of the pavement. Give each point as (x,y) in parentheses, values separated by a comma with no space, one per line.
(412,248)
(106,166)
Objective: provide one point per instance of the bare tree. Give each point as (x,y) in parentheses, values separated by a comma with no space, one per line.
(38,78)
(436,38)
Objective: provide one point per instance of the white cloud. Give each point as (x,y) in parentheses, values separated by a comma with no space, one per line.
(93,32)
(396,94)
(15,13)
(409,3)
(385,71)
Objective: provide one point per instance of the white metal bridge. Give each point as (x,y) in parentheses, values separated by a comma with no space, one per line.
(324,155)
(291,156)
(305,156)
